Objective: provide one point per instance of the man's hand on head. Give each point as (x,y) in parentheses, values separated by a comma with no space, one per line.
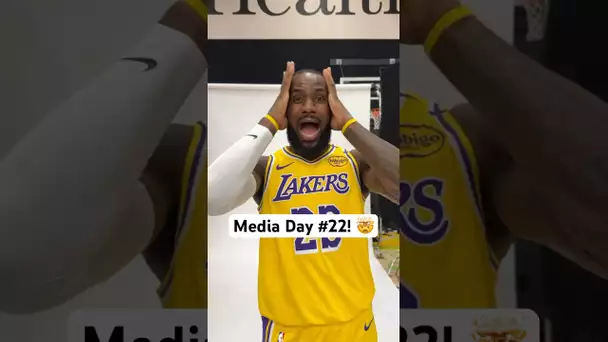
(418,17)
(278,112)
(340,115)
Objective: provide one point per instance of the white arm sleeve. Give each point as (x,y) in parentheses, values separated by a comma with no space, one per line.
(61,184)
(231,181)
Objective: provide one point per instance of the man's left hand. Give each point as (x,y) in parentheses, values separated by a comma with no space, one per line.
(340,114)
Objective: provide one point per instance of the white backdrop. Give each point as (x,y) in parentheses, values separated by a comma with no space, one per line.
(232,270)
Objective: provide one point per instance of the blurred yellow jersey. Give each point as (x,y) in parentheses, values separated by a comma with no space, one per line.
(303,282)
(185,286)
(445,259)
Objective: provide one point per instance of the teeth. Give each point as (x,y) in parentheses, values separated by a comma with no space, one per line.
(313,121)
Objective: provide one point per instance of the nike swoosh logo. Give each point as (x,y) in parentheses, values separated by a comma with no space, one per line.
(279,167)
(366,326)
(251,135)
(149,62)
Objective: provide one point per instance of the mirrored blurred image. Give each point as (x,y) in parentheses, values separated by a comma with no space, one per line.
(499,208)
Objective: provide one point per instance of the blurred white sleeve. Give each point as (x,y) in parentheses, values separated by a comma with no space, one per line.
(71,209)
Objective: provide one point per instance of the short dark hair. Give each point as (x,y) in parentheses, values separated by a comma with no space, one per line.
(312,71)
(303,71)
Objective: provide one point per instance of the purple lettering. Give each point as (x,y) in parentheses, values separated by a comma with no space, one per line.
(305,185)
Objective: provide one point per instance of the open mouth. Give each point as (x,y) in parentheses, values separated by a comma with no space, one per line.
(309,129)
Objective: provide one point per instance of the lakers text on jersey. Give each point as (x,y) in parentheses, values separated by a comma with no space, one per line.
(185,286)
(302,281)
(445,259)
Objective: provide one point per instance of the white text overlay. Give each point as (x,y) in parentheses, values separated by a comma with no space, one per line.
(303,226)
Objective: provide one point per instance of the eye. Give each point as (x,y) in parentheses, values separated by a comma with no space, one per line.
(296,99)
(321,98)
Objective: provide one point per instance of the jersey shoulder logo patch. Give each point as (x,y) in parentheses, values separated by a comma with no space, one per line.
(337,161)
(419,141)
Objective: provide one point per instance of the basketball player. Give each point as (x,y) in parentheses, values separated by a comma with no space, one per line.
(526,158)
(309,289)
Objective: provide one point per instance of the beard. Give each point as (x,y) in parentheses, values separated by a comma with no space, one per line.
(313,152)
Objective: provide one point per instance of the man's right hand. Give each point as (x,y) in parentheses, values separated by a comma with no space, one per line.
(279,108)
(417,18)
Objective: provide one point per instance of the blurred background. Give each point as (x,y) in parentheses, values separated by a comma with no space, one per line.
(564,36)
(570,301)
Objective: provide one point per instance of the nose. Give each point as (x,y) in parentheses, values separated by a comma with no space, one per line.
(308,106)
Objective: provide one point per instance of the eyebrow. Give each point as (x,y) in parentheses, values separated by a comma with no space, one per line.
(302,90)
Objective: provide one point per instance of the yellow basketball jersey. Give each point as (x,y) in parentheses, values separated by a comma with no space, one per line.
(185,286)
(445,259)
(304,282)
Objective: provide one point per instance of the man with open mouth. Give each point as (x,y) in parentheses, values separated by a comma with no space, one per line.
(309,289)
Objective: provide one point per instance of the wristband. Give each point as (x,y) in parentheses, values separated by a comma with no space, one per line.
(347,124)
(448,19)
(272,121)
(200,7)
